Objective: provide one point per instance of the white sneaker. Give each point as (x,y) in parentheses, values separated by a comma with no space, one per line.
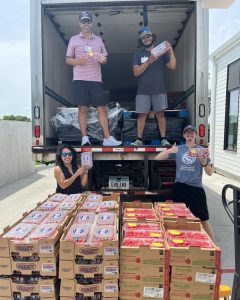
(111,141)
(85,141)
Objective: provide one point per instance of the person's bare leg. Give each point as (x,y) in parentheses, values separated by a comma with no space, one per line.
(161,123)
(102,116)
(141,121)
(82,119)
(208,228)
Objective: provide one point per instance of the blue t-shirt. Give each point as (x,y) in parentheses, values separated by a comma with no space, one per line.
(188,167)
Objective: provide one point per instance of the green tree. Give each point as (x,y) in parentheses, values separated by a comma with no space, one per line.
(17,118)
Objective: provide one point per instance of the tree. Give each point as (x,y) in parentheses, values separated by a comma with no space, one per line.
(17,118)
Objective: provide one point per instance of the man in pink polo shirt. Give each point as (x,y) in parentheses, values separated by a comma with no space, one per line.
(86,52)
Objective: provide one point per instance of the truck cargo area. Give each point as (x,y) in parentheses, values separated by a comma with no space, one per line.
(118,23)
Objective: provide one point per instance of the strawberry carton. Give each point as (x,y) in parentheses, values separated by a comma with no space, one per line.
(139,214)
(44,231)
(108,206)
(48,206)
(106,218)
(144,234)
(57,197)
(85,218)
(59,217)
(67,205)
(19,232)
(90,206)
(136,242)
(173,211)
(78,233)
(74,198)
(35,217)
(102,233)
(141,226)
(94,198)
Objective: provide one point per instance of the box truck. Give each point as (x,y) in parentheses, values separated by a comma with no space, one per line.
(183,23)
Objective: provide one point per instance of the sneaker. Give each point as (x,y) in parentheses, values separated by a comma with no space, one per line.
(137,143)
(111,141)
(165,142)
(85,141)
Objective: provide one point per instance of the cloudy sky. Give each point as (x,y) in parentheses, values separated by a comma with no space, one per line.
(15,52)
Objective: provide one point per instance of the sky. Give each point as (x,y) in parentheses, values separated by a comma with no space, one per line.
(15,84)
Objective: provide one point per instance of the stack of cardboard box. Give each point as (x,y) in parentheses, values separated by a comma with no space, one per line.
(89,251)
(144,254)
(29,250)
(194,260)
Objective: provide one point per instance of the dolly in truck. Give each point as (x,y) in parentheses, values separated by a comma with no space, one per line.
(183,23)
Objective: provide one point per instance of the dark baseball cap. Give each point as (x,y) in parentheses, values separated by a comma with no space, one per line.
(190,127)
(145,30)
(85,15)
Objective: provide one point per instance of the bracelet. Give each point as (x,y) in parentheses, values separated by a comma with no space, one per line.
(205,165)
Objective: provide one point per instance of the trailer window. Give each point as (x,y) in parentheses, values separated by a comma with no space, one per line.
(232,106)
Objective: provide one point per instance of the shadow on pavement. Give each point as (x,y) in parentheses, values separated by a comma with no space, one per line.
(14,187)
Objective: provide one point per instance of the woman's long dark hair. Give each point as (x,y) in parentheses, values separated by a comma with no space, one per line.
(59,161)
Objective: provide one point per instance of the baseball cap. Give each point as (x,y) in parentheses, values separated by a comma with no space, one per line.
(189,127)
(85,15)
(145,30)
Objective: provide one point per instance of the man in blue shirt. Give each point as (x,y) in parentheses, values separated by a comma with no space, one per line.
(190,159)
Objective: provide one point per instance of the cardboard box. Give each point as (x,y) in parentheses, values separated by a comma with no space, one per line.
(45,288)
(47,247)
(131,291)
(183,291)
(108,288)
(46,266)
(192,256)
(197,275)
(164,217)
(69,250)
(144,274)
(145,256)
(69,269)
(5,266)
(136,205)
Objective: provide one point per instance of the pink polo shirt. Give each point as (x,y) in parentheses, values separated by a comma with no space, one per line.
(78,46)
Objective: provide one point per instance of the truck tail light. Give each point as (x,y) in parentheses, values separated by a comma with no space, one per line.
(37,131)
(201,130)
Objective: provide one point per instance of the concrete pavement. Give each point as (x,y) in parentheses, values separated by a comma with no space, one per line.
(23,195)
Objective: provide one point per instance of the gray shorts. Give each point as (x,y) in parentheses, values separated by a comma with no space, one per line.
(145,102)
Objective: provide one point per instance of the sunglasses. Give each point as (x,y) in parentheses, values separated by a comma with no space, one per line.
(85,21)
(65,154)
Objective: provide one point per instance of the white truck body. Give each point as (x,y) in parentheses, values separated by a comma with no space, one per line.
(183,23)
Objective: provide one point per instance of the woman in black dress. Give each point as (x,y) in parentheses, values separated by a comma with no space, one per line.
(70,177)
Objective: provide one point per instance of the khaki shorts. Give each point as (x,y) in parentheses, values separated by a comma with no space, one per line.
(146,103)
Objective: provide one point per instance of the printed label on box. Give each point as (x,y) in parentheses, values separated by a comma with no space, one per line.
(205,278)
(109,251)
(48,267)
(111,270)
(153,292)
(111,288)
(46,248)
(46,289)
